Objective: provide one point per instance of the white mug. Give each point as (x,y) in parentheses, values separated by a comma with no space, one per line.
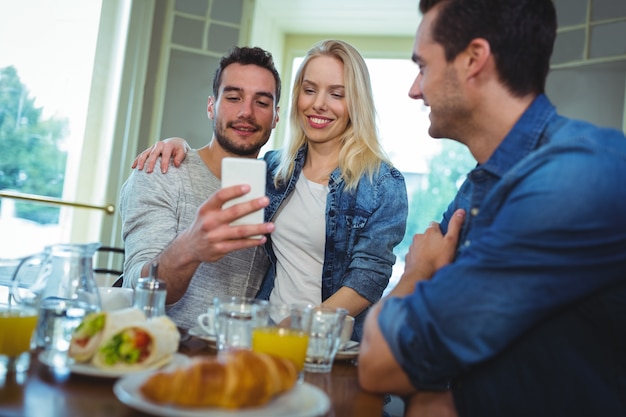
(115,298)
(346,332)
(206,321)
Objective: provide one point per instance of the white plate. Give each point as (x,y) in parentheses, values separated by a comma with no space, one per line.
(304,400)
(198,332)
(87,369)
(350,352)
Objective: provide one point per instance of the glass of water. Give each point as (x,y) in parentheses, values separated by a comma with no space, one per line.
(324,338)
(235,318)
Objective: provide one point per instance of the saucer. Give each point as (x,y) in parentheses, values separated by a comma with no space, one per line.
(351,351)
(198,332)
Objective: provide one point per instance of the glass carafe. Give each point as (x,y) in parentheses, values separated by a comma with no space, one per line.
(60,283)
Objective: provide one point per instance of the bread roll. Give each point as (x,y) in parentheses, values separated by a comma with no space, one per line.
(237,379)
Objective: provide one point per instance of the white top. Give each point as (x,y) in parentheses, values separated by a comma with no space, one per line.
(298,242)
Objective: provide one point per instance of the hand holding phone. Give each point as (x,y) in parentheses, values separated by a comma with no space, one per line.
(237,171)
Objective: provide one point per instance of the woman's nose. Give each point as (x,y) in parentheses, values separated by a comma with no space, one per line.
(320,102)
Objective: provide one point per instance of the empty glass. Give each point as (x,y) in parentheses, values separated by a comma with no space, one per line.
(324,338)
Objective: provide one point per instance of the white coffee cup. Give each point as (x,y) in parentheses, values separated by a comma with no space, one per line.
(206,321)
(346,332)
(115,298)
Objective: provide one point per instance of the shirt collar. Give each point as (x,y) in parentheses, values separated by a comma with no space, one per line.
(524,137)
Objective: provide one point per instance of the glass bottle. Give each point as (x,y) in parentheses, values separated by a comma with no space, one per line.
(150,294)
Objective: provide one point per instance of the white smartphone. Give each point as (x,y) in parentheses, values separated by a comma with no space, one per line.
(237,171)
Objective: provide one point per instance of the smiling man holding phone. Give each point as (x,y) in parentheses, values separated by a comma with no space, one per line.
(182,220)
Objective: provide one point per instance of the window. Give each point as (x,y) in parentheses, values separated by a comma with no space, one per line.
(433,169)
(45,76)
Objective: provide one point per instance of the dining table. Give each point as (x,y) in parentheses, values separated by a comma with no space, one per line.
(50,392)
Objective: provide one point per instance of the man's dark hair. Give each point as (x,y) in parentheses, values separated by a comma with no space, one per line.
(521,35)
(247,56)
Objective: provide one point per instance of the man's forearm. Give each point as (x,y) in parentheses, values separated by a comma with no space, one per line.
(176,268)
(378,369)
(406,284)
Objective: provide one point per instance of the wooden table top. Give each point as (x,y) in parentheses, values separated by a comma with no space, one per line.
(42,392)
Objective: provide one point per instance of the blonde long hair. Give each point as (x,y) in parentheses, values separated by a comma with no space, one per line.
(361,152)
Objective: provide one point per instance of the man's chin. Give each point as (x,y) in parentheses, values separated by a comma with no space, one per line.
(433,132)
(246,150)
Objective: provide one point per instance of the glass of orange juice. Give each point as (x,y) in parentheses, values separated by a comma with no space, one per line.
(287,335)
(17,324)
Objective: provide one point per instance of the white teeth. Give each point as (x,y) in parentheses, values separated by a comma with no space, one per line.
(318,121)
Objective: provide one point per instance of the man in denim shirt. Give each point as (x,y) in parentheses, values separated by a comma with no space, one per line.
(515,305)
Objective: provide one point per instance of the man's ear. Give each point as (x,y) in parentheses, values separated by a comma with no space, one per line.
(210,109)
(276,117)
(477,56)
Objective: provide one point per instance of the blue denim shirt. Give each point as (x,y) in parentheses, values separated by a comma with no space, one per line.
(542,255)
(362,228)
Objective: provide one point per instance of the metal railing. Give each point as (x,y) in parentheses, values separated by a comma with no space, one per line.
(109,208)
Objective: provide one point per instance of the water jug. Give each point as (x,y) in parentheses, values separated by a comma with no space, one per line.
(60,283)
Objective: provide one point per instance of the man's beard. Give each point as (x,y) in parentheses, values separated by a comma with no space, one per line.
(246,149)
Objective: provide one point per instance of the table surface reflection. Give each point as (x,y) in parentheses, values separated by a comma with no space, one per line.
(42,392)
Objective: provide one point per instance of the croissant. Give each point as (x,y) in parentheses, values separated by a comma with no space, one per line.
(237,379)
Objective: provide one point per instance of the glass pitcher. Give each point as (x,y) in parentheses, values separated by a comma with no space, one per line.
(60,283)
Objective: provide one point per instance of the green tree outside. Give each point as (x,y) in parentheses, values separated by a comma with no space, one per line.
(32,160)
(447,171)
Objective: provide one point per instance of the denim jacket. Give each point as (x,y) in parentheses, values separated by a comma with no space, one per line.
(362,228)
(532,292)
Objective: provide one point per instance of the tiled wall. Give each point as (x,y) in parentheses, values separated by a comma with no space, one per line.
(201,32)
(590,31)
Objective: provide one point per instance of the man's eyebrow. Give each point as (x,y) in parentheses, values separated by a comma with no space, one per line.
(232,88)
(265,94)
(415,58)
(228,88)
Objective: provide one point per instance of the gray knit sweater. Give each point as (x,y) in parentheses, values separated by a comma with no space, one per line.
(155,208)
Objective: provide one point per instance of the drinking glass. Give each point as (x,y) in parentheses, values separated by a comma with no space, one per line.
(324,338)
(235,317)
(286,335)
(17,324)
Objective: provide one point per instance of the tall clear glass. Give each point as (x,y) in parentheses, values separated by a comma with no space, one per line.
(324,338)
(235,318)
